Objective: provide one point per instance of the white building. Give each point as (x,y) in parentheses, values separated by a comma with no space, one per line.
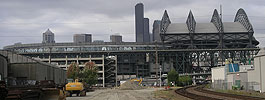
(218,73)
(258,74)
(250,77)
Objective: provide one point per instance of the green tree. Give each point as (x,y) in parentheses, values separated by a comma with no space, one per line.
(185,80)
(89,73)
(173,77)
(73,71)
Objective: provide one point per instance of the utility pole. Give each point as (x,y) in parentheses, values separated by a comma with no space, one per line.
(156,66)
(160,77)
(222,34)
(50,51)
(116,67)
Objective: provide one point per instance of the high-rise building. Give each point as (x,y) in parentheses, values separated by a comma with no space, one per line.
(156,31)
(139,22)
(82,38)
(48,37)
(142,33)
(116,38)
(146,30)
(151,37)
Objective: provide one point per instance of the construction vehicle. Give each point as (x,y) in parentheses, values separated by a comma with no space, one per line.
(50,91)
(137,80)
(75,88)
(33,90)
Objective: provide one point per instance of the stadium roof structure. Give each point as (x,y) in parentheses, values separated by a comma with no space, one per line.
(215,34)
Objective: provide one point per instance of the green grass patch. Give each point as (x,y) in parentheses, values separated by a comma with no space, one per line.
(254,94)
(168,94)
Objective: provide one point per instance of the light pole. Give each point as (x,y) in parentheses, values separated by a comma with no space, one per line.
(156,62)
(116,72)
(160,77)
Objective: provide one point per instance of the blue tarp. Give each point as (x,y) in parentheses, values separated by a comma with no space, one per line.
(233,68)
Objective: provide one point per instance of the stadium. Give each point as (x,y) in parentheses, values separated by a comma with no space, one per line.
(190,48)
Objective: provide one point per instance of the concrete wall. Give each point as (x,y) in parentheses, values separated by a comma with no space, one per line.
(3,67)
(242,76)
(218,73)
(254,78)
(231,77)
(258,74)
(244,68)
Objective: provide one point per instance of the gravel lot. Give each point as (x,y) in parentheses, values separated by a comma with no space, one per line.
(116,94)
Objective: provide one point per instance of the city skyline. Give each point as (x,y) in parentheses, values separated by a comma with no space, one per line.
(21,24)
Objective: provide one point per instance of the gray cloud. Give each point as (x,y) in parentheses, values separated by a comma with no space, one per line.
(30,18)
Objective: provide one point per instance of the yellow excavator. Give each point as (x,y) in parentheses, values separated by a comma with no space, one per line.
(75,88)
(137,80)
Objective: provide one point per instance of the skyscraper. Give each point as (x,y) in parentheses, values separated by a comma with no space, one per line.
(151,37)
(48,37)
(116,38)
(139,22)
(82,38)
(146,30)
(156,31)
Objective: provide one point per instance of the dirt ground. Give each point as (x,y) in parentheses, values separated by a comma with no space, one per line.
(117,94)
(169,94)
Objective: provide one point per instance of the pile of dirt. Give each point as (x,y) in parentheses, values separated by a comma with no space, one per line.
(130,85)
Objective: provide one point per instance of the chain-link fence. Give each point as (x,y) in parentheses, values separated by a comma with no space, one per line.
(245,86)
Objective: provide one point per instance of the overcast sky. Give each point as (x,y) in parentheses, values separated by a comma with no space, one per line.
(25,20)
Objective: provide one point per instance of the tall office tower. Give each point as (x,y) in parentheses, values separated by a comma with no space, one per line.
(82,38)
(139,22)
(151,37)
(48,37)
(146,30)
(156,31)
(116,38)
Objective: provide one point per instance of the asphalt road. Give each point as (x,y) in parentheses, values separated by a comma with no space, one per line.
(116,94)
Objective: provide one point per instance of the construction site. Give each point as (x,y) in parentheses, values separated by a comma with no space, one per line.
(207,57)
